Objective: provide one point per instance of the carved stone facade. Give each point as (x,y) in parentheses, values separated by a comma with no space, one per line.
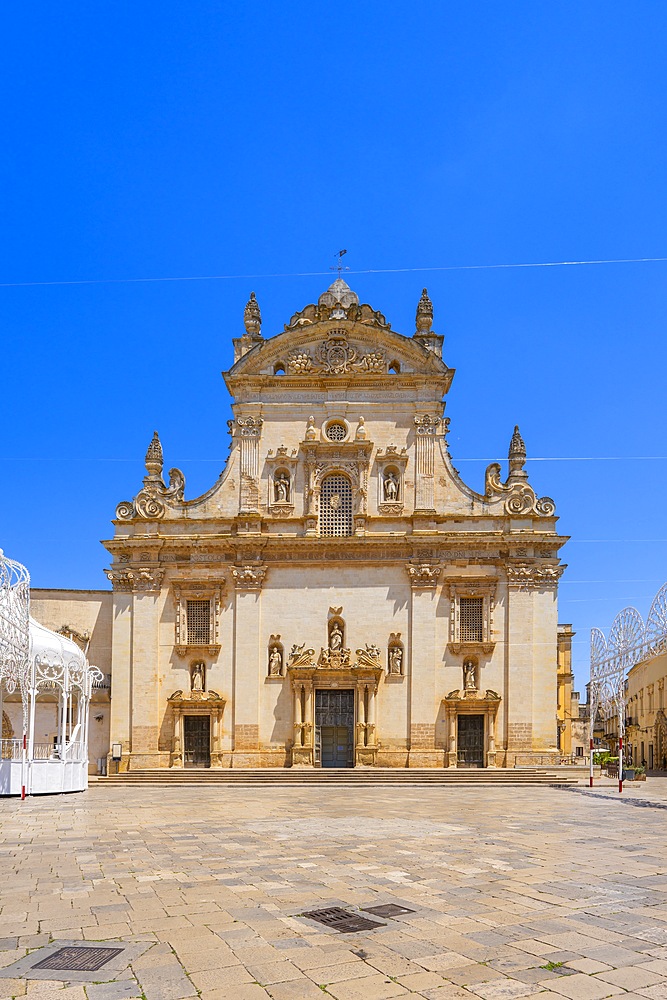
(339,596)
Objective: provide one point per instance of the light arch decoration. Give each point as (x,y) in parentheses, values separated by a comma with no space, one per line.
(630,641)
(38,664)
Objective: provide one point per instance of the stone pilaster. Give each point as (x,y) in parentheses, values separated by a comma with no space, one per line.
(426,429)
(248,580)
(144,709)
(250,429)
(422,711)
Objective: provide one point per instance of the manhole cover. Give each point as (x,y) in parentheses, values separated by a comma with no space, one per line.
(78,959)
(388,910)
(342,920)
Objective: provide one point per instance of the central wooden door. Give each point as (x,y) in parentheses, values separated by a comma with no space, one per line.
(334,728)
(197,740)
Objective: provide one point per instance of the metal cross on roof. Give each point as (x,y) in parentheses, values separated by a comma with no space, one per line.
(339,266)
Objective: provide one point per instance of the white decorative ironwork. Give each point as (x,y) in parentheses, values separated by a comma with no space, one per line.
(14,615)
(36,662)
(630,641)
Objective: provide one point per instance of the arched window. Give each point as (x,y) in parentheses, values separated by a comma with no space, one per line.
(335,506)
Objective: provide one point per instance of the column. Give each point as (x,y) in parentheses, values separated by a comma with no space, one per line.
(491,739)
(371,727)
(426,428)
(298,713)
(361,715)
(248,662)
(177,746)
(422,690)
(309,714)
(452,722)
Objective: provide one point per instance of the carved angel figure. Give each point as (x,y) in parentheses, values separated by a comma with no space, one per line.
(390,487)
(281,488)
(469,676)
(275,662)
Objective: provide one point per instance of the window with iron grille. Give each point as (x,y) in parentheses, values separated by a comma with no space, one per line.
(335,506)
(199,623)
(472,619)
(336,431)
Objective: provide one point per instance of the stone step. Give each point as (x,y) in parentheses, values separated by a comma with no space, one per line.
(343,776)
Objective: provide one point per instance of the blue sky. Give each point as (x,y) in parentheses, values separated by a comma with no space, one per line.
(164,139)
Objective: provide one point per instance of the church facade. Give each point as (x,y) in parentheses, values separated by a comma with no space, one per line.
(339,597)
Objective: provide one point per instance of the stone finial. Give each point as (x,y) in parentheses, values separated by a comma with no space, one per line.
(517,457)
(361,430)
(311,432)
(424,319)
(154,460)
(252,317)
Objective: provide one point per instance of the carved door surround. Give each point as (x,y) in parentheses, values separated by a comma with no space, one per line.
(461,702)
(306,676)
(351,459)
(196,703)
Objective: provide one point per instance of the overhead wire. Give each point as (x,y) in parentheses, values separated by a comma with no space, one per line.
(317,274)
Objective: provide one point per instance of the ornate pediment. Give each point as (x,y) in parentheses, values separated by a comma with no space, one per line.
(339,337)
(338,302)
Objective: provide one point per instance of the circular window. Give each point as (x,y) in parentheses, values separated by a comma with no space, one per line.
(336,431)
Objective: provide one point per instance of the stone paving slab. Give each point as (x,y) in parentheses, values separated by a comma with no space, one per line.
(521,892)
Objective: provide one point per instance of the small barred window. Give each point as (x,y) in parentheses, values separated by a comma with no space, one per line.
(335,507)
(336,431)
(472,619)
(199,623)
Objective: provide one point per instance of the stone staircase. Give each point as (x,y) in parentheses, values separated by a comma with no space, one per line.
(333,777)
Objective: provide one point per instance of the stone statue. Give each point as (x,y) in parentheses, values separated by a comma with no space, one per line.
(275,662)
(281,488)
(335,636)
(396,660)
(469,678)
(197,677)
(390,485)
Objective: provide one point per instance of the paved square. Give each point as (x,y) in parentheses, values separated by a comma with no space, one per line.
(515,891)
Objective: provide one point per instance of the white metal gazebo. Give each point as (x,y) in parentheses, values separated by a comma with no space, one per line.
(41,665)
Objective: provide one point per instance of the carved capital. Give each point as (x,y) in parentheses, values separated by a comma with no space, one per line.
(529,576)
(249,427)
(249,577)
(427,426)
(136,579)
(423,575)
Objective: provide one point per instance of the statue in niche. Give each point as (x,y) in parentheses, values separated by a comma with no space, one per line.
(390,487)
(470,675)
(395,660)
(197,682)
(335,637)
(281,488)
(275,662)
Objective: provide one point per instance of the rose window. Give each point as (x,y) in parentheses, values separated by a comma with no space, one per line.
(336,431)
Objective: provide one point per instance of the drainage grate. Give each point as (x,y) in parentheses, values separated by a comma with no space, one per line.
(342,920)
(78,959)
(388,910)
